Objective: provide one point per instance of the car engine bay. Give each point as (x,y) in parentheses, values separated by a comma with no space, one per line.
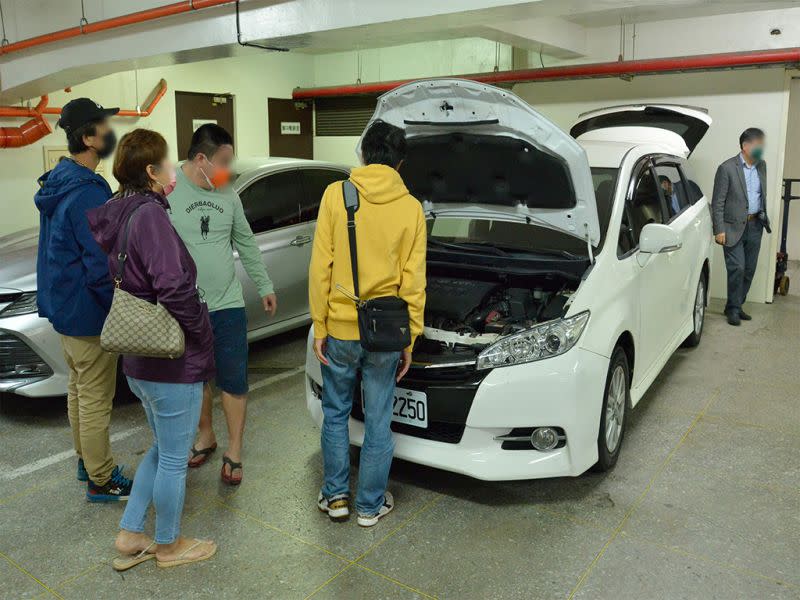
(465,315)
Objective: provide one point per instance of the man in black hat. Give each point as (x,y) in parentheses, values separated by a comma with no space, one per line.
(75,289)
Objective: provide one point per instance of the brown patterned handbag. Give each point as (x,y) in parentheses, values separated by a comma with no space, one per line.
(136,326)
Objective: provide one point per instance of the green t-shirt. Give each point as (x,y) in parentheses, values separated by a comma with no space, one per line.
(211,223)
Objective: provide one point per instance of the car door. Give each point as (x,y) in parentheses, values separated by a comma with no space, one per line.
(273,205)
(685,218)
(660,275)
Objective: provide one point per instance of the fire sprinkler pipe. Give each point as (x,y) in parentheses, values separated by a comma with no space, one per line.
(18,111)
(38,127)
(29,132)
(706,62)
(168,10)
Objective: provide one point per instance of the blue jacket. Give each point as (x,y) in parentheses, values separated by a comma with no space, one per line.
(74,285)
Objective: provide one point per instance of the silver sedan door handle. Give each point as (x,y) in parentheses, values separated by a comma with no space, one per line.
(300,240)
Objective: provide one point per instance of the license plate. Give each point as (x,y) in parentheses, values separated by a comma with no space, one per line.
(409,407)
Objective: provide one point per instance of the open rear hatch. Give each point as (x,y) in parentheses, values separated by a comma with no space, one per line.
(681,127)
(478,151)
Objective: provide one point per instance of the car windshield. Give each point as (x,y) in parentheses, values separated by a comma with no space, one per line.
(472,234)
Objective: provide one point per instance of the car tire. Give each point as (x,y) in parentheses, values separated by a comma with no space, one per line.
(698,314)
(613,415)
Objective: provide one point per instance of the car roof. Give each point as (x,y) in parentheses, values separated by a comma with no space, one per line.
(246,165)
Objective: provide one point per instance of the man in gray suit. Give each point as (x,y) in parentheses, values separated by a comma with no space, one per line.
(739,215)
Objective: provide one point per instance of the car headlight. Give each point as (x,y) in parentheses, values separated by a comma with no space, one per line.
(543,341)
(24,305)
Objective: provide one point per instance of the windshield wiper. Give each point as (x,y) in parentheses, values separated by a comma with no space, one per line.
(468,246)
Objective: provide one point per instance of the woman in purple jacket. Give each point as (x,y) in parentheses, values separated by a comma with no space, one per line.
(158,269)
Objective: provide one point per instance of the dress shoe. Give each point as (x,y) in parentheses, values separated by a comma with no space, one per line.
(744,316)
(733,318)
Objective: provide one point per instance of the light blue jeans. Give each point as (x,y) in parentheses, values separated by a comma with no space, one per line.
(173,411)
(339,380)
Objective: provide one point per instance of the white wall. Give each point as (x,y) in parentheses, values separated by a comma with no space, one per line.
(735,100)
(251,79)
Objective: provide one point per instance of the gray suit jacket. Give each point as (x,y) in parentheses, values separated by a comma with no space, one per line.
(729,200)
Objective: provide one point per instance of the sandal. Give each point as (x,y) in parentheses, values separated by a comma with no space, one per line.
(205,453)
(230,479)
(181,560)
(123,563)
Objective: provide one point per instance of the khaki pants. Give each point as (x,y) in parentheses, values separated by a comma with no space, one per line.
(90,395)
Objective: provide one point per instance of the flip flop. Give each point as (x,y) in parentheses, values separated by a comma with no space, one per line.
(123,563)
(205,453)
(185,561)
(230,479)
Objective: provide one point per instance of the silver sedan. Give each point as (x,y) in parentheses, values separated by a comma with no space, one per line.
(281,198)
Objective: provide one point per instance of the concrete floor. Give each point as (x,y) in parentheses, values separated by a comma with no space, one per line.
(704,503)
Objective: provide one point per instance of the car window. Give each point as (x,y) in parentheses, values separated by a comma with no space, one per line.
(316,181)
(605,181)
(673,188)
(273,201)
(644,206)
(693,190)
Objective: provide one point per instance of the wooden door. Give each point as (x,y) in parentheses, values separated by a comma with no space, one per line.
(193,109)
(290,129)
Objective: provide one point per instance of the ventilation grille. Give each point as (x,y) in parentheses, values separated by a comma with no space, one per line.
(346,116)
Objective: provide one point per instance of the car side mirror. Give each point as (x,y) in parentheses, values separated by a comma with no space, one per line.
(656,238)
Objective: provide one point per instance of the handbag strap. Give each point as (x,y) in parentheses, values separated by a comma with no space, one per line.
(123,251)
(351,203)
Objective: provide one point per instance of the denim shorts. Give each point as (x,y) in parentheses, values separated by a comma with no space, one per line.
(230,349)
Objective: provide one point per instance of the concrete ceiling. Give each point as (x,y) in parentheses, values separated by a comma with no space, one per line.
(559,28)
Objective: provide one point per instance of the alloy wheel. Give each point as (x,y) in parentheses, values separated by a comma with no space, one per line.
(615,408)
(699,307)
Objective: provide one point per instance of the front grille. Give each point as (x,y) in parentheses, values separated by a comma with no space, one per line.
(449,396)
(19,361)
(10,297)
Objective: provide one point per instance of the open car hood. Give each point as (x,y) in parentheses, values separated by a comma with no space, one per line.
(479,151)
(679,127)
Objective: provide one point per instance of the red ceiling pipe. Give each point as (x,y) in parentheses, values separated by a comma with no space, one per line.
(706,62)
(29,132)
(18,111)
(142,16)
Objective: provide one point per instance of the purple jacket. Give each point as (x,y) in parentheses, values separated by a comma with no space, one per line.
(158,268)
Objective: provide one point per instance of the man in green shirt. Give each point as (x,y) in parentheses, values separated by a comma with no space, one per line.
(208,215)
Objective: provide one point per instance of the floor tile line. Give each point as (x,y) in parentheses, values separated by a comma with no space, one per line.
(626,517)
(33,488)
(707,559)
(276,529)
(394,581)
(325,584)
(27,573)
(429,504)
(355,562)
(674,549)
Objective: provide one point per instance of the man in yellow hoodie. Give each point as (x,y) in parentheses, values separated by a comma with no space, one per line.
(391,240)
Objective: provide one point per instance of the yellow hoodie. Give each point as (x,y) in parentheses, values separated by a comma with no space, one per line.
(391,236)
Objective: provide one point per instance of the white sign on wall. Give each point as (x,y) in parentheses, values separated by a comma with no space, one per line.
(53,154)
(198,123)
(290,128)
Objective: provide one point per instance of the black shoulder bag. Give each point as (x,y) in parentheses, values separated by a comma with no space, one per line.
(382,322)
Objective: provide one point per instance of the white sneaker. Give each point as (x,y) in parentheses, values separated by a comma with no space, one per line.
(370,520)
(338,507)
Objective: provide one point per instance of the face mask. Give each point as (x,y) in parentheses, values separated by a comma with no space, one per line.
(757,153)
(170,185)
(220,176)
(109,143)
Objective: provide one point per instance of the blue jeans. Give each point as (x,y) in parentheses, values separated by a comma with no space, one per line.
(173,411)
(339,380)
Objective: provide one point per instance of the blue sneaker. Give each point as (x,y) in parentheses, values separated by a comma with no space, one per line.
(116,489)
(83,475)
